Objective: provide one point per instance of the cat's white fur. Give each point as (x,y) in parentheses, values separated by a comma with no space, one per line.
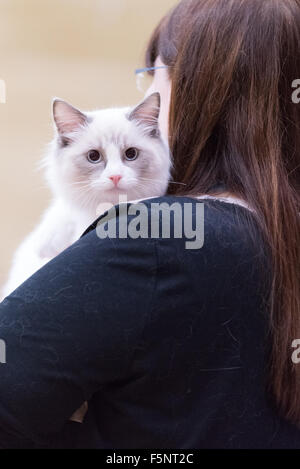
(80,187)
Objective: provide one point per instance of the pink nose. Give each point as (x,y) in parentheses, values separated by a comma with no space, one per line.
(116,179)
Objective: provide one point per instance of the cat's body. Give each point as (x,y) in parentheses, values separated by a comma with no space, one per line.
(95,158)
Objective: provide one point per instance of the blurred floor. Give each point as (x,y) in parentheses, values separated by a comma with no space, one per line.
(84,51)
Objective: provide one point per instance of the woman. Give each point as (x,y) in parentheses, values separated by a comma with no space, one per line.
(175,347)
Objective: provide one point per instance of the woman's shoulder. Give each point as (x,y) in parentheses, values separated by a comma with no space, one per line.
(213,235)
(209,225)
(196,221)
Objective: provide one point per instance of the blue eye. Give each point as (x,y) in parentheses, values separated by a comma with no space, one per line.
(131,154)
(94,156)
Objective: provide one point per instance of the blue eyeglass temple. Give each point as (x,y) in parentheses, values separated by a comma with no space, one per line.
(149,69)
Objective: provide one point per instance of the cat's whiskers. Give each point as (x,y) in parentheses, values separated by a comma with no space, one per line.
(179,183)
(81,187)
(161,180)
(79,183)
(89,201)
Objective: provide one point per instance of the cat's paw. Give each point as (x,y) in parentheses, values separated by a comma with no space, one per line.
(80,413)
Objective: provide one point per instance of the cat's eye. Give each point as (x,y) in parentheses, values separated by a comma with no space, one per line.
(94,156)
(131,154)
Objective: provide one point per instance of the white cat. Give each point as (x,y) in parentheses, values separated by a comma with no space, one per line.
(94,158)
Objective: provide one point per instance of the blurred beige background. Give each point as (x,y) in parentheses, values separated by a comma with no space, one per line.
(84,51)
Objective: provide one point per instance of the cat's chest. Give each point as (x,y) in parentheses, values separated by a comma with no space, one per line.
(80,225)
(62,236)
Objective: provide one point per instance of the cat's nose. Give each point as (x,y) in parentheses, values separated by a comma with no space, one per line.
(115,179)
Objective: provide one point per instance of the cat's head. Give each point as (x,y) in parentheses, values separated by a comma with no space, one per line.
(98,156)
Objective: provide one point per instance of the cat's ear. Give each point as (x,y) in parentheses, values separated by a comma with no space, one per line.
(66,117)
(147,114)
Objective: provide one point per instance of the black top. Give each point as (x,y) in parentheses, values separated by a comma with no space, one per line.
(169,345)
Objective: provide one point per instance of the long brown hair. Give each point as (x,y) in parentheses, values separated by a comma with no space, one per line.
(232,119)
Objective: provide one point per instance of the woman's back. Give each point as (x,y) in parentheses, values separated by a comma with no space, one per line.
(169,344)
(199,372)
